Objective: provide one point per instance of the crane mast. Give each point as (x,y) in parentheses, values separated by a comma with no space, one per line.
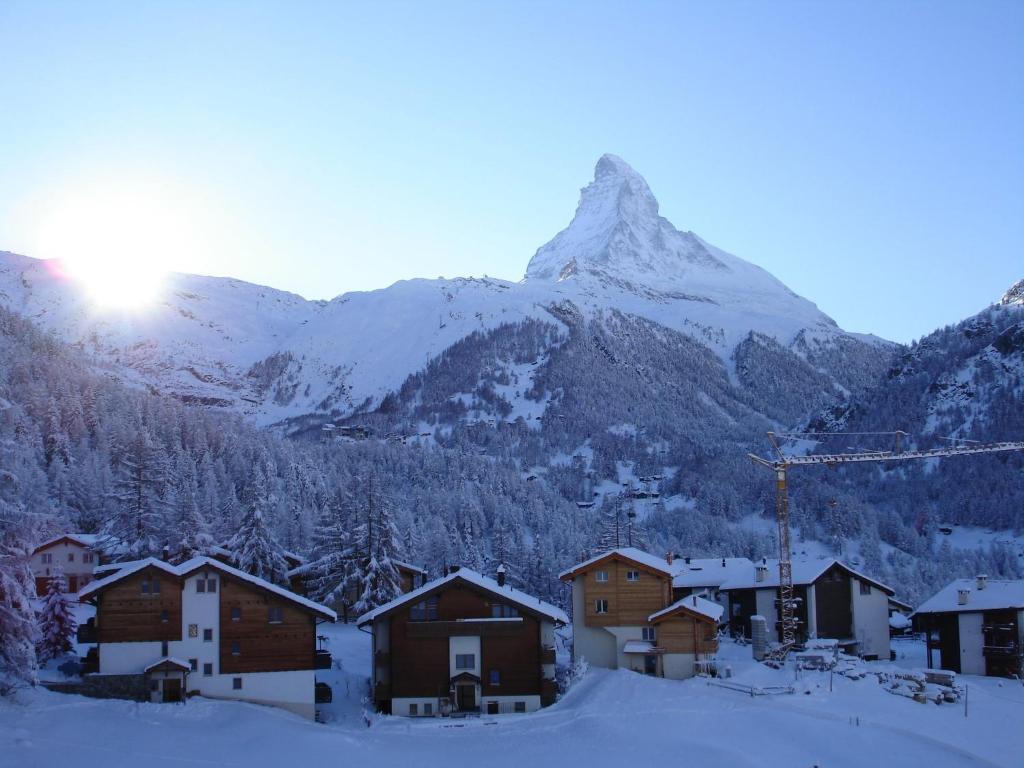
(781,465)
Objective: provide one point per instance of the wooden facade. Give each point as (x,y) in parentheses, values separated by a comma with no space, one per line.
(130,611)
(682,632)
(250,642)
(629,603)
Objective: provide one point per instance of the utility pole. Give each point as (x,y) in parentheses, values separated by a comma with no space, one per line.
(781,464)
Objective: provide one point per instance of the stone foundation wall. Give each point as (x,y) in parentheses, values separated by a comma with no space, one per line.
(132,687)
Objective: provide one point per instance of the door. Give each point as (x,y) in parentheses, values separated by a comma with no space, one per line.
(466,697)
(172,690)
(72,583)
(834,606)
(650,664)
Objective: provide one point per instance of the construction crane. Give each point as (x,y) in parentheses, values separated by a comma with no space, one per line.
(781,465)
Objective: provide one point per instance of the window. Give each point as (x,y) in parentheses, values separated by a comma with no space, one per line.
(495,677)
(492,707)
(649,634)
(165,616)
(428,708)
(465,660)
(236,648)
(155,588)
(71,557)
(204,584)
(632,575)
(47,558)
(200,585)
(208,670)
(211,585)
(424,611)
(520,706)
(144,586)
(163,648)
(600,606)
(194,664)
(501,611)
(207,635)
(87,557)
(601,576)
(414,710)
(236,613)
(865,588)
(236,683)
(275,614)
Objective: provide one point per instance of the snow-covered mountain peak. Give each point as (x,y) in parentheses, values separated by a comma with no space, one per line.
(1014,296)
(617,236)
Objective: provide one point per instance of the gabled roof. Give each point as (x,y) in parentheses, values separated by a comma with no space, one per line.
(169,661)
(88,540)
(528,602)
(996,595)
(410,567)
(630,555)
(805,571)
(692,604)
(708,571)
(189,566)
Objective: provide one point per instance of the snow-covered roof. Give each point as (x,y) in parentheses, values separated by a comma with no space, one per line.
(409,566)
(805,571)
(90,540)
(708,571)
(187,567)
(168,660)
(691,604)
(637,646)
(996,594)
(522,599)
(624,553)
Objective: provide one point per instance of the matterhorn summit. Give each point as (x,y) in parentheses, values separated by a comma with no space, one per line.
(617,234)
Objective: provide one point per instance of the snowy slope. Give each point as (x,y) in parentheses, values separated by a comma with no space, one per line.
(274,355)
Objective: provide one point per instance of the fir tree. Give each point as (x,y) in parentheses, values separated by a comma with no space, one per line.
(18,632)
(57,625)
(255,549)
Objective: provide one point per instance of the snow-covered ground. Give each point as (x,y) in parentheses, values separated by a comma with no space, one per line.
(608,718)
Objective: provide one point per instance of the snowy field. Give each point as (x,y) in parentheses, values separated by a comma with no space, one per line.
(606,719)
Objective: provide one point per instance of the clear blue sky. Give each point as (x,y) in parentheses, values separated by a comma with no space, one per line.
(869,154)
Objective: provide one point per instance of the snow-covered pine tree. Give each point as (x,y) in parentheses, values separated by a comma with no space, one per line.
(612,531)
(57,625)
(255,548)
(332,556)
(18,631)
(380,582)
(141,516)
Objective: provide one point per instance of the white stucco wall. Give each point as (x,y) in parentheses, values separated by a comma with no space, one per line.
(972,642)
(678,666)
(506,705)
(461,644)
(203,611)
(595,644)
(870,621)
(127,658)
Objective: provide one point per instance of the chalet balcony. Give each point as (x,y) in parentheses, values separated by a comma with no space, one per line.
(322,660)
(547,655)
(1009,650)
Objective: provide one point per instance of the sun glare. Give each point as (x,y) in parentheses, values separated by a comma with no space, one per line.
(118,245)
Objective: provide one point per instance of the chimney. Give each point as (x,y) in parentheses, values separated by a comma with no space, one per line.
(454,569)
(760,571)
(501,575)
(694,601)
(962,595)
(981,581)
(669,557)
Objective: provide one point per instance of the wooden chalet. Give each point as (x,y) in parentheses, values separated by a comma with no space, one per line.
(975,627)
(204,627)
(463,643)
(625,615)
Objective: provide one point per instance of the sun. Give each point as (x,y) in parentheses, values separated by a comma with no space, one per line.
(116,242)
